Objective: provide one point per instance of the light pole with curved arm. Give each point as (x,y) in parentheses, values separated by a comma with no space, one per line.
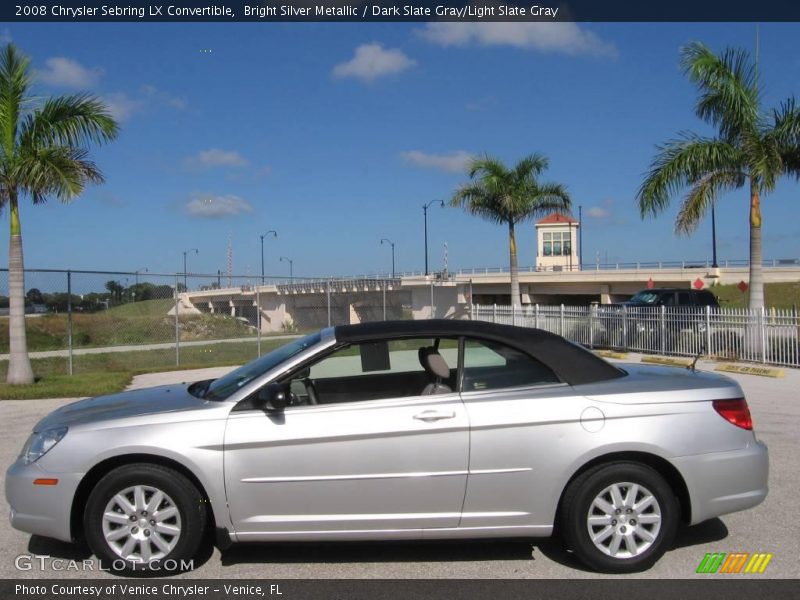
(291,262)
(274,234)
(391,243)
(425,208)
(185,252)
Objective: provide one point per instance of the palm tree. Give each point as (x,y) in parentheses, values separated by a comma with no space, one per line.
(510,196)
(43,153)
(751,149)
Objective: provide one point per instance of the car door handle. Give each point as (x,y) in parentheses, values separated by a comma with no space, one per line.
(434,415)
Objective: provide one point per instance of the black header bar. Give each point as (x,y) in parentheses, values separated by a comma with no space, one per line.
(399,10)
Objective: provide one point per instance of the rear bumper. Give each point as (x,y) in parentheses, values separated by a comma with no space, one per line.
(724,482)
(40,509)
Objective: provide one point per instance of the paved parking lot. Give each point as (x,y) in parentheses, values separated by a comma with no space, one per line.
(771,527)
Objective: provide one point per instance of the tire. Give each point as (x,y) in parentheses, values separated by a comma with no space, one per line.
(167,530)
(627,541)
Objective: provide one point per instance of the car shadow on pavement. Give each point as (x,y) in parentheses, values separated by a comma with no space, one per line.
(709,531)
(376,552)
(79,552)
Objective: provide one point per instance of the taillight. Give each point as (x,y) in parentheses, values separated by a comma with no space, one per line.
(735,411)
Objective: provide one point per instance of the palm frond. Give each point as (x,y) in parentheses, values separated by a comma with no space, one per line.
(75,120)
(683,162)
(60,171)
(14,84)
(702,194)
(728,89)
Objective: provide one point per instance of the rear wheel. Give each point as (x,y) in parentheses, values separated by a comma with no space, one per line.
(620,517)
(144,517)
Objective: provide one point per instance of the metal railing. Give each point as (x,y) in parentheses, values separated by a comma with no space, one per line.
(767,336)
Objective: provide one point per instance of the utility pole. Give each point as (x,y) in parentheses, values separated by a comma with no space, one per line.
(391,243)
(425,217)
(274,234)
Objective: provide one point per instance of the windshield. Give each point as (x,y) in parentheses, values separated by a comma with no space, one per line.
(644,298)
(225,386)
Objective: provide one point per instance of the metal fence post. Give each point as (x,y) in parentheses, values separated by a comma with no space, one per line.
(536,315)
(494,313)
(561,322)
(592,308)
(328,298)
(383,285)
(69,321)
(663,327)
(433,309)
(258,319)
(624,341)
(471,301)
(763,331)
(177,328)
(708,329)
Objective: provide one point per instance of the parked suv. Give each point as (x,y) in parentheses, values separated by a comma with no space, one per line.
(677,297)
(659,319)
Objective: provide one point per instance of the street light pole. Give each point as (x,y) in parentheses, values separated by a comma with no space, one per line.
(425,217)
(580,237)
(391,243)
(185,252)
(291,262)
(274,234)
(713,237)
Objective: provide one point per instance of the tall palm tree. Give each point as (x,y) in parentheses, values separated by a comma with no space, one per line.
(751,148)
(510,196)
(43,153)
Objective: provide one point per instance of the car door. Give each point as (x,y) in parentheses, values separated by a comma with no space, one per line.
(350,469)
(519,413)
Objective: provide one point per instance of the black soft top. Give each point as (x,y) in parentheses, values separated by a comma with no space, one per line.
(572,364)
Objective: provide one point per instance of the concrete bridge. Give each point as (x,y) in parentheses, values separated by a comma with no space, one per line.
(310,303)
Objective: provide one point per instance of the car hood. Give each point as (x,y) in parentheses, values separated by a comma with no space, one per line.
(162,399)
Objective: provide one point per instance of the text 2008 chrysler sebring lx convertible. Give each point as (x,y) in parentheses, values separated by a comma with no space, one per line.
(397,430)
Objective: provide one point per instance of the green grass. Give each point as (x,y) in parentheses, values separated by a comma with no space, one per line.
(129,324)
(64,386)
(106,373)
(776,295)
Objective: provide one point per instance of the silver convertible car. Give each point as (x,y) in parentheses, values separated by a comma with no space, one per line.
(419,430)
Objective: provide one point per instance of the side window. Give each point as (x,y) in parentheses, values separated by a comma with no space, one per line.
(374,371)
(705,298)
(685,299)
(489,365)
(667,299)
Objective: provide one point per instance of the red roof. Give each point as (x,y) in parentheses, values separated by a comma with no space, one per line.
(556,218)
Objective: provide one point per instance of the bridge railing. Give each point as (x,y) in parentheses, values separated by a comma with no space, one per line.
(767,336)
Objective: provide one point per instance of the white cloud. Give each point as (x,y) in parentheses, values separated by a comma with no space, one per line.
(121,106)
(160,96)
(214,157)
(215,206)
(597,212)
(561,36)
(372,61)
(65,72)
(455,162)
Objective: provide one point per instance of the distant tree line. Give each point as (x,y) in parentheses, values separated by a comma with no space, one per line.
(114,295)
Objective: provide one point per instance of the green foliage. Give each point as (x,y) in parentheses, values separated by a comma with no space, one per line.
(64,386)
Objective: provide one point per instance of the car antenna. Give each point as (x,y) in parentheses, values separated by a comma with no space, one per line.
(693,367)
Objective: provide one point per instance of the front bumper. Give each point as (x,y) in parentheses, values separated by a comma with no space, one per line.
(724,482)
(41,509)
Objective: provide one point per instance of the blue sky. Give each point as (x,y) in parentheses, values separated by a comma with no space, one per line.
(336,134)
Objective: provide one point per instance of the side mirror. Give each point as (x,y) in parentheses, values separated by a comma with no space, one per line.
(273,397)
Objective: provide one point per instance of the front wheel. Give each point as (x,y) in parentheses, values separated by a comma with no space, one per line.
(620,517)
(145,517)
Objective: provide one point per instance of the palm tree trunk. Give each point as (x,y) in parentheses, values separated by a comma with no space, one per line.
(512,250)
(756,258)
(19,365)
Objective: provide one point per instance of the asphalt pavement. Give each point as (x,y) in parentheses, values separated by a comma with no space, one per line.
(770,527)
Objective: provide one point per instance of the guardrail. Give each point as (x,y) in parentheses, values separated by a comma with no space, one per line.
(767,336)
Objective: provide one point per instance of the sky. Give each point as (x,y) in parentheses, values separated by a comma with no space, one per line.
(335,135)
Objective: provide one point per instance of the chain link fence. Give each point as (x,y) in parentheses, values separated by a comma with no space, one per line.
(84,321)
(766,336)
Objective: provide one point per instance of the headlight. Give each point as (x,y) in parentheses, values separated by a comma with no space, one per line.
(39,444)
